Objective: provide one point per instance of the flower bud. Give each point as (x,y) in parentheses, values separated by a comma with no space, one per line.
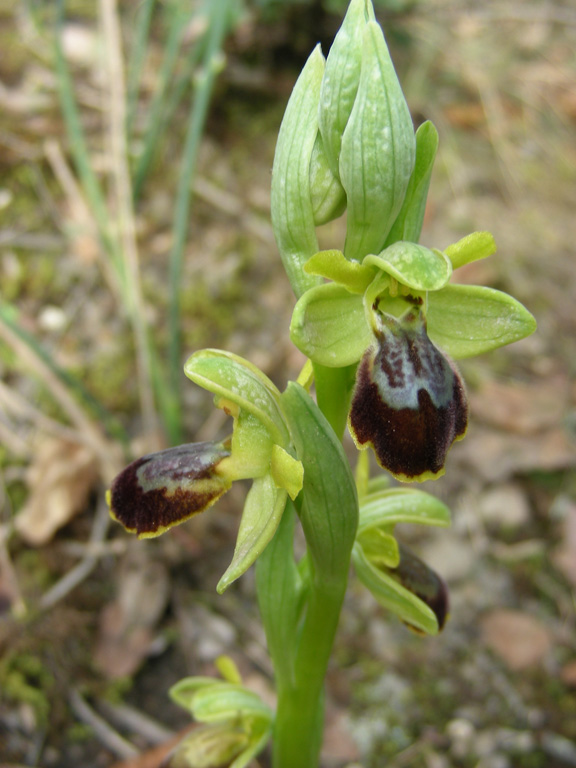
(417,577)
(215,745)
(163,489)
(409,402)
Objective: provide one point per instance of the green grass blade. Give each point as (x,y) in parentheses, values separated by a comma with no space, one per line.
(219,13)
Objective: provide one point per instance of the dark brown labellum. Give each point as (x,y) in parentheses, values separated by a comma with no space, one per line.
(162,489)
(409,402)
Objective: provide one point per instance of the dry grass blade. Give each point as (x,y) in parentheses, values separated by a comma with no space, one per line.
(116,110)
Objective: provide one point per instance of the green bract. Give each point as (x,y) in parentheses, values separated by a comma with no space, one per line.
(377,152)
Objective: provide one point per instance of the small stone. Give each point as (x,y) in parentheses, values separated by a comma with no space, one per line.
(505,506)
(519,639)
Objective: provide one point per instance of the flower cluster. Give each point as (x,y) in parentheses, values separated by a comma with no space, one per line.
(380,322)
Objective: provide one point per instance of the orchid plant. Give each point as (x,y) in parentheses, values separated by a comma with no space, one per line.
(380,322)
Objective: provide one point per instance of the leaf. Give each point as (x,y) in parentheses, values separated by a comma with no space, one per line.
(236,381)
(329,326)
(262,513)
(467,320)
(413,265)
(329,507)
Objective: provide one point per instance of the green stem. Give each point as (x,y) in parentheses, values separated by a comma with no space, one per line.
(333,392)
(300,713)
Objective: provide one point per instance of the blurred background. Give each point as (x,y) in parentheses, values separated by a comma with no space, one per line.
(136,146)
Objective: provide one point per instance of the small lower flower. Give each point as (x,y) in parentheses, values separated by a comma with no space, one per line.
(418,578)
(409,402)
(163,489)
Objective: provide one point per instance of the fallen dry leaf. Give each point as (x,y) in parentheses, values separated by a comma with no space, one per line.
(60,479)
(127,625)
(519,639)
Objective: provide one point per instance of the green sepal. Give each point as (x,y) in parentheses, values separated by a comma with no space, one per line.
(263,510)
(408,224)
(291,202)
(341,78)
(467,320)
(475,246)
(328,504)
(260,741)
(280,593)
(413,265)
(333,265)
(378,148)
(183,692)
(287,472)
(329,327)
(225,701)
(401,505)
(251,448)
(237,383)
(380,547)
(393,596)
(326,193)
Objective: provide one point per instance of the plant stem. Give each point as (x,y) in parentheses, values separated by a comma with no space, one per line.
(300,713)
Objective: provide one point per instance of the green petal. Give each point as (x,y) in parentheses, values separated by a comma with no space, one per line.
(413,265)
(408,224)
(332,264)
(237,382)
(288,472)
(329,326)
(393,596)
(477,245)
(402,505)
(467,320)
(262,513)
